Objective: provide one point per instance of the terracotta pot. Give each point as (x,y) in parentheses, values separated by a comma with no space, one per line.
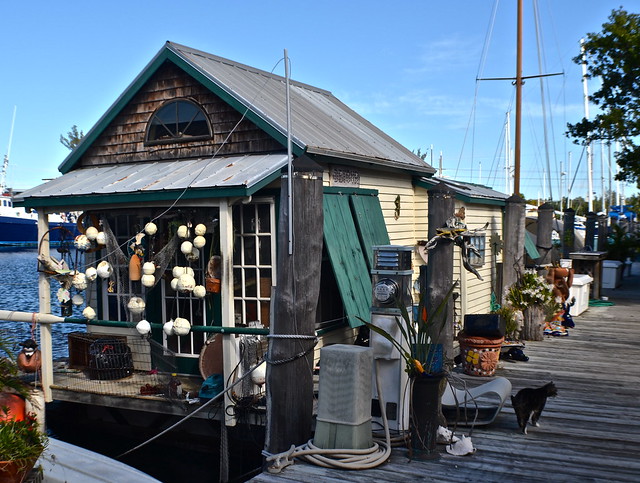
(480,355)
(212,285)
(16,471)
(16,406)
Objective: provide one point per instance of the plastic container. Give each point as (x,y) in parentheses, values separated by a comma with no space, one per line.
(484,325)
(480,355)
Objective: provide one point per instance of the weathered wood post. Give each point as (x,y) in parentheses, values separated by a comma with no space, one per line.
(545,227)
(513,233)
(590,231)
(44,299)
(568,234)
(603,230)
(440,263)
(289,384)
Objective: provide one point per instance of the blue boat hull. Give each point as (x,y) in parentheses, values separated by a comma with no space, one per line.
(24,232)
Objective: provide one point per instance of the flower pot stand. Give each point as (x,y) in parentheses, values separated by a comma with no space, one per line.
(425,415)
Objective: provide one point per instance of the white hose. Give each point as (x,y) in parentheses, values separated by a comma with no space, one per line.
(346,459)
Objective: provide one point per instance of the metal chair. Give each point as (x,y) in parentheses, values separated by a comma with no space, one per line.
(477,406)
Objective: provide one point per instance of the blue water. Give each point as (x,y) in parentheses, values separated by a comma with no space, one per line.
(19,291)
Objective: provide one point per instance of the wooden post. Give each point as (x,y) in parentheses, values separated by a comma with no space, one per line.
(289,385)
(590,231)
(44,298)
(440,263)
(545,227)
(513,234)
(603,230)
(568,234)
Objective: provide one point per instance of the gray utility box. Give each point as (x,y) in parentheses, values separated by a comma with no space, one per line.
(344,398)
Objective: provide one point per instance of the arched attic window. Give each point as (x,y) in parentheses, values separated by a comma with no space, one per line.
(178,121)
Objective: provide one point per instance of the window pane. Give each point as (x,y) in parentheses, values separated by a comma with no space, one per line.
(265,283)
(250,282)
(178,120)
(249,250)
(264,218)
(252,310)
(248,219)
(265,250)
(237,282)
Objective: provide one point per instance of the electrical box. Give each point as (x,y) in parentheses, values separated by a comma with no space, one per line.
(391,278)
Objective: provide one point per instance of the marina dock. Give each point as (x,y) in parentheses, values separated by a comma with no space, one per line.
(589,432)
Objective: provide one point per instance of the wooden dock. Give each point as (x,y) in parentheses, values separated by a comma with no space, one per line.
(589,432)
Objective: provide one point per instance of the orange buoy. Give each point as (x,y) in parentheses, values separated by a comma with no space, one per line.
(15,407)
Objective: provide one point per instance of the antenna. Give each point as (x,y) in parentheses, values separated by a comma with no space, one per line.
(5,164)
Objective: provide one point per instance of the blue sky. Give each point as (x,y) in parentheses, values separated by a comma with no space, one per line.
(409,67)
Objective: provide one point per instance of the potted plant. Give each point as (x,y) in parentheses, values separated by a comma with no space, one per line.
(21,440)
(420,346)
(531,294)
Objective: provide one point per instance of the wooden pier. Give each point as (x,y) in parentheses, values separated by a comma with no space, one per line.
(589,432)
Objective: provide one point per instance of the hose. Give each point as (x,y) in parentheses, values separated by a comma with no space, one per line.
(346,459)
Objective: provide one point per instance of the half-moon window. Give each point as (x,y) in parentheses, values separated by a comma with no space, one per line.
(178,121)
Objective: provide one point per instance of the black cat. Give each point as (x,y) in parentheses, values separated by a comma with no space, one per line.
(529,403)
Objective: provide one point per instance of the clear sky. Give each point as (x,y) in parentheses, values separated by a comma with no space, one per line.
(408,66)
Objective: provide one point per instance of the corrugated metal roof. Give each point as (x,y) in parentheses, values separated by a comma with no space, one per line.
(224,172)
(320,122)
(470,190)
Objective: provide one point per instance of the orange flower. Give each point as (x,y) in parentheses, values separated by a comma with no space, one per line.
(489,360)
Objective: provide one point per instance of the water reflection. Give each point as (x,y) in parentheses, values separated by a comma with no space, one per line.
(19,291)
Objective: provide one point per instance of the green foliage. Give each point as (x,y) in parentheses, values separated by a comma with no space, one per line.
(9,378)
(21,440)
(530,289)
(419,339)
(621,245)
(613,57)
(72,139)
(511,324)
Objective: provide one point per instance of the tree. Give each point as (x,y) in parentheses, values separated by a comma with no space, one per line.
(613,56)
(73,138)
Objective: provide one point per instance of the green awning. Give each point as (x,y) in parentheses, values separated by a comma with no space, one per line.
(530,246)
(369,219)
(352,222)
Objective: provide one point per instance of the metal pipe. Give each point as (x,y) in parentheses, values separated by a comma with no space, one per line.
(518,140)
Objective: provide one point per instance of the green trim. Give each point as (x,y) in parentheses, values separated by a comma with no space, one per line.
(167,54)
(467,199)
(340,190)
(530,246)
(372,230)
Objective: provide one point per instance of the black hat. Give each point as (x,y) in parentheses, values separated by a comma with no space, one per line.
(29,343)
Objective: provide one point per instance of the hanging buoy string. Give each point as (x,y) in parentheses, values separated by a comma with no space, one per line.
(289,155)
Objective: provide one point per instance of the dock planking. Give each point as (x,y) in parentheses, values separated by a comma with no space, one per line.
(589,432)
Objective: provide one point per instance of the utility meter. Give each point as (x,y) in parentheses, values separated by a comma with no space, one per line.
(391,278)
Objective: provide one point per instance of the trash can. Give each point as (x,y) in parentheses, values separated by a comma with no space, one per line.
(480,355)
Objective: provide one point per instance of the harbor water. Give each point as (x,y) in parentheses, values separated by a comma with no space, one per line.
(176,457)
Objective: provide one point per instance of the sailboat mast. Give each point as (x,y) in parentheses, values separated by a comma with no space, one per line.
(5,164)
(586,115)
(518,141)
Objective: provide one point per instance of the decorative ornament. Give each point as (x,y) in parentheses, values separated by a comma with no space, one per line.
(148,268)
(136,305)
(150,228)
(199,291)
(63,295)
(79,281)
(189,271)
(177,272)
(174,284)
(104,269)
(143,327)
(259,374)
(183,232)
(194,255)
(91,233)
(199,241)
(148,280)
(186,247)
(181,326)
(200,229)
(82,243)
(186,283)
(101,238)
(89,313)
(168,327)
(77,299)
(91,273)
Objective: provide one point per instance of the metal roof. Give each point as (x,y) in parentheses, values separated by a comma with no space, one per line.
(243,172)
(321,124)
(468,190)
